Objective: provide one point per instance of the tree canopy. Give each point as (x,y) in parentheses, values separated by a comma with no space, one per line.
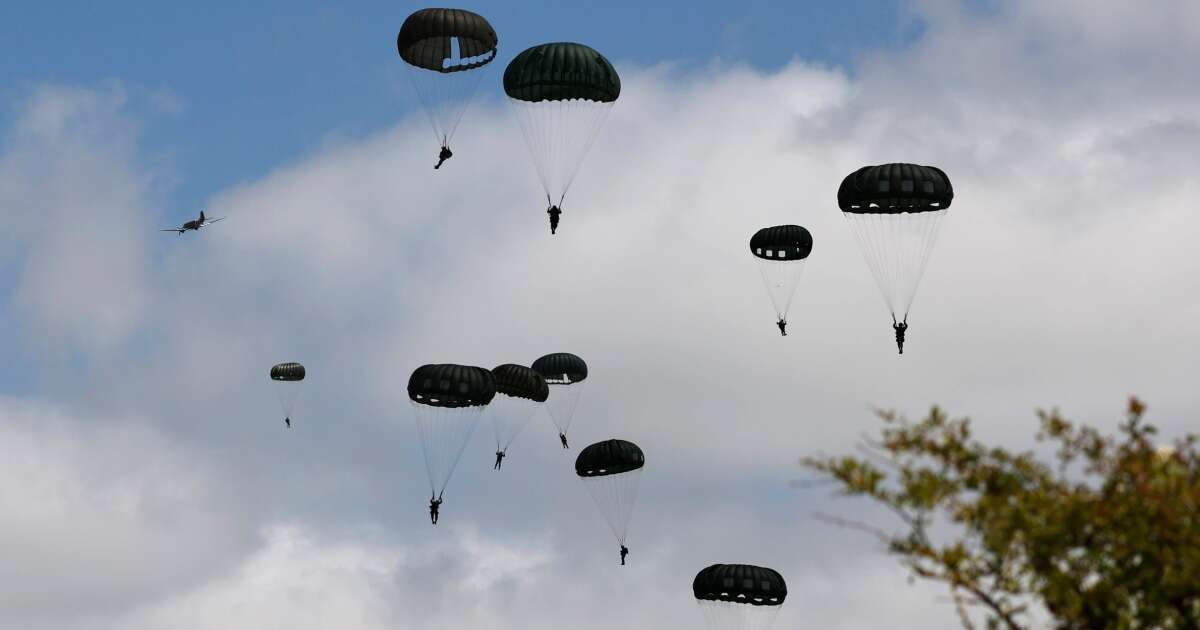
(1106,535)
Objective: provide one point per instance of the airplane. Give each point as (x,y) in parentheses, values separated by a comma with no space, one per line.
(195,224)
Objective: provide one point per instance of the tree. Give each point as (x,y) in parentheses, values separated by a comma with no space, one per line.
(1106,536)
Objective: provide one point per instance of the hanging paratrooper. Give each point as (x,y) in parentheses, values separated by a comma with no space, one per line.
(446,52)
(611,471)
(894,211)
(287,378)
(562,93)
(564,373)
(781,251)
(447,402)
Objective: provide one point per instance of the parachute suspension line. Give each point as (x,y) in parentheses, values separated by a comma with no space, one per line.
(737,616)
(896,248)
(615,495)
(444,433)
(509,418)
(445,97)
(562,403)
(928,238)
(781,279)
(559,134)
(287,392)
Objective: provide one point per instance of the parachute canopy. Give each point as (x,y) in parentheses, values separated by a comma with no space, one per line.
(561,368)
(451,386)
(561,94)
(895,211)
(520,382)
(781,242)
(611,457)
(427,38)
(445,51)
(561,71)
(290,371)
(740,584)
(611,471)
(521,393)
(895,188)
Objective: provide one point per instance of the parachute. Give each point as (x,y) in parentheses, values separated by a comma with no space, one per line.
(564,373)
(781,251)
(447,401)
(520,392)
(611,471)
(562,93)
(287,377)
(739,596)
(894,211)
(446,51)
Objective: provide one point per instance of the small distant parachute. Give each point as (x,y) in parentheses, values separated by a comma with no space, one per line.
(781,251)
(894,211)
(611,470)
(446,51)
(562,93)
(564,373)
(739,596)
(447,402)
(520,392)
(287,378)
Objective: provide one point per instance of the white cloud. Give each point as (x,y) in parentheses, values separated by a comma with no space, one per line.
(73,203)
(102,513)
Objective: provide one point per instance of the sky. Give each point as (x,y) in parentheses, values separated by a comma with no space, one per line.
(148,483)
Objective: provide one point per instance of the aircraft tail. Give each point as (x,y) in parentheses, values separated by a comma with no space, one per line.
(202,216)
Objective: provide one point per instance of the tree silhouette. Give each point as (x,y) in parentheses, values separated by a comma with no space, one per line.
(1105,536)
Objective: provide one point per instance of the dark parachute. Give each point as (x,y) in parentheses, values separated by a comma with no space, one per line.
(447,401)
(565,373)
(427,39)
(442,47)
(561,368)
(895,188)
(520,382)
(287,377)
(561,71)
(290,371)
(781,251)
(451,386)
(611,471)
(562,93)
(520,392)
(739,596)
(611,457)
(894,211)
(740,584)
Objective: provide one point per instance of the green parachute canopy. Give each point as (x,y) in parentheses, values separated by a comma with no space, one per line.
(781,242)
(895,188)
(449,385)
(895,211)
(290,371)
(428,37)
(610,457)
(561,368)
(740,584)
(561,71)
(520,382)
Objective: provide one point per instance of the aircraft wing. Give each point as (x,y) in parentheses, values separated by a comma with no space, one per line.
(169,230)
(211,221)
